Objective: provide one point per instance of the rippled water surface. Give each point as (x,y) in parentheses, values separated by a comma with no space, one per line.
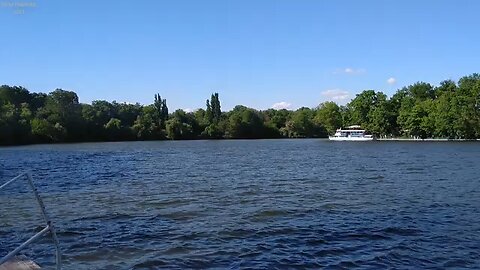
(249,204)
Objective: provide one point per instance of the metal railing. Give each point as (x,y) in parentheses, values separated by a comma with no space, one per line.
(48,228)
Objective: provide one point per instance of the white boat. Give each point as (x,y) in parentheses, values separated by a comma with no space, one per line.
(351,133)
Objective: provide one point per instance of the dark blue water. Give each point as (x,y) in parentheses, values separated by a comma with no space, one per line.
(249,204)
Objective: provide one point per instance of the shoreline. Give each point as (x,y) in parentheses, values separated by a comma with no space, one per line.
(245,139)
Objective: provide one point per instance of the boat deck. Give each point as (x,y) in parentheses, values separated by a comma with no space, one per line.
(20,263)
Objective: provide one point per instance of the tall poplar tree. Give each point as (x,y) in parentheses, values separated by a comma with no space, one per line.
(161,110)
(216,109)
(208,113)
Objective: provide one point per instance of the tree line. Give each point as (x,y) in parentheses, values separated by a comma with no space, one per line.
(450,110)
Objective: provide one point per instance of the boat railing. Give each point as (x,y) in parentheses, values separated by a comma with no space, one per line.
(48,224)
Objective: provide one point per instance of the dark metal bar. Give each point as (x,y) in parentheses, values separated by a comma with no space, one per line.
(49,227)
(47,220)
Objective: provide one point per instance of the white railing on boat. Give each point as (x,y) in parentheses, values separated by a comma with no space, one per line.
(48,225)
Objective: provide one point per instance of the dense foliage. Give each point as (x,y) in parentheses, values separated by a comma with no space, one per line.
(450,110)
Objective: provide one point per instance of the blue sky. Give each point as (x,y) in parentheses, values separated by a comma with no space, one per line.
(255,53)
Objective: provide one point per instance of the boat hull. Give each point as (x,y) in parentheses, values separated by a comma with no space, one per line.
(350,139)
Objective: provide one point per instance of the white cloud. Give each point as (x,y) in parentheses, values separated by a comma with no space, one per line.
(391,80)
(336,94)
(350,71)
(281,105)
(188,110)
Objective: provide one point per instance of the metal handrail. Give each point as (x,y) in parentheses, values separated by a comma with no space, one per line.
(48,228)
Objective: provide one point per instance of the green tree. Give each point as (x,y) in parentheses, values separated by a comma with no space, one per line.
(277,118)
(395,103)
(161,110)
(381,117)
(216,110)
(214,131)
(200,119)
(177,130)
(8,118)
(208,114)
(451,110)
(329,116)
(37,101)
(127,113)
(421,91)
(15,95)
(417,121)
(62,108)
(301,125)
(115,130)
(360,107)
(146,126)
(445,110)
(191,128)
(43,131)
(245,123)
(468,102)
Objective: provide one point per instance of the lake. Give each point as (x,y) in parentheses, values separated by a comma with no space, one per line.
(305,203)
